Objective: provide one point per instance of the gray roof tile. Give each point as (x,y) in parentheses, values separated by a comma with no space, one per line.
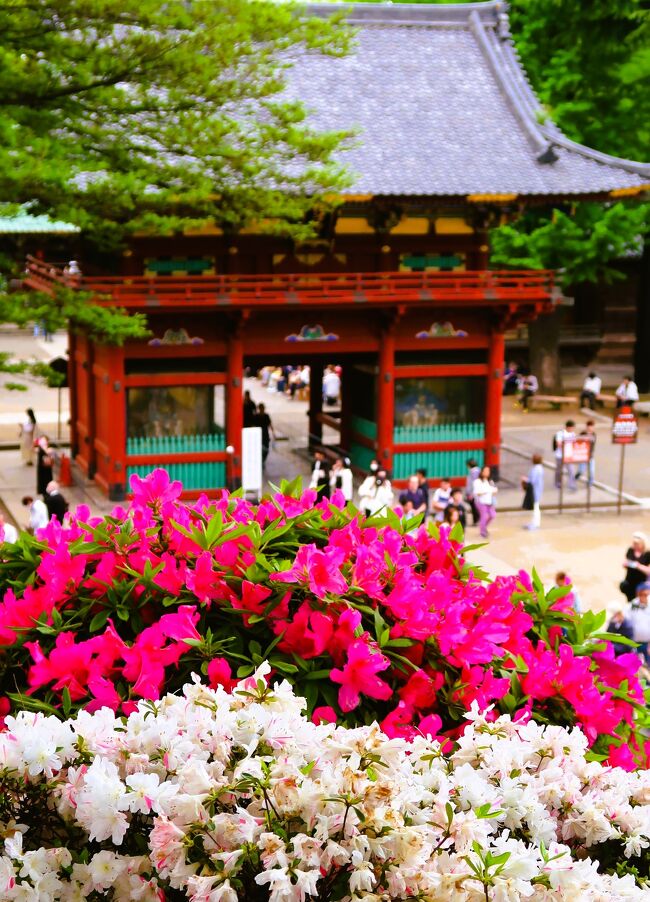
(442,107)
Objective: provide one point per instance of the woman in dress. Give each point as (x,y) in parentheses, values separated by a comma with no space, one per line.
(637,565)
(484,491)
(27,436)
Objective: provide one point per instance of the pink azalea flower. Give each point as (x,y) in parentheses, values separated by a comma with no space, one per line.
(220,674)
(307,634)
(204,581)
(155,489)
(324,714)
(318,569)
(420,690)
(359,676)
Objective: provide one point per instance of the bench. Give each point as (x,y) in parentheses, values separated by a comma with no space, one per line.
(642,408)
(607,400)
(554,401)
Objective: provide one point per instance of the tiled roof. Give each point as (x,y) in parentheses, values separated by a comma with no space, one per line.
(25,224)
(442,106)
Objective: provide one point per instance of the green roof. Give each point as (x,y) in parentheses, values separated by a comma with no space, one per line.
(26,224)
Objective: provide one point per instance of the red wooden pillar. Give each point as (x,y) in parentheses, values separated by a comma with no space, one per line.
(386,399)
(116,431)
(316,370)
(234,405)
(90,451)
(72,393)
(494,393)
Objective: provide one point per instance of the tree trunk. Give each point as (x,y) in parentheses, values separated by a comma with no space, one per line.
(641,355)
(544,351)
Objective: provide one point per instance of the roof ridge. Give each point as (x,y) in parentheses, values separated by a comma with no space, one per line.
(517,86)
(515,101)
(422,14)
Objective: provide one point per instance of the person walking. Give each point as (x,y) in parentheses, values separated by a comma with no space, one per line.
(320,476)
(534,482)
(44,464)
(28,435)
(583,469)
(38,513)
(591,388)
(627,394)
(263,420)
(637,565)
(473,473)
(56,504)
(8,532)
(331,386)
(250,410)
(341,479)
(564,437)
(484,491)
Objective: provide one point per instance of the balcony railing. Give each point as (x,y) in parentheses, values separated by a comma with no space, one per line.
(483,286)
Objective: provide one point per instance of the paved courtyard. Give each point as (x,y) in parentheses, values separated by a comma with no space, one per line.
(589,547)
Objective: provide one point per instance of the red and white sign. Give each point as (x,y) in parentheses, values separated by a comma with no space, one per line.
(625,428)
(577,451)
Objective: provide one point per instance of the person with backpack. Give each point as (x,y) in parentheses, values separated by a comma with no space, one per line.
(563,437)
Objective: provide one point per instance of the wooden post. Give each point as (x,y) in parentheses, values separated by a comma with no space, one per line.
(316,370)
(494,392)
(234,404)
(386,398)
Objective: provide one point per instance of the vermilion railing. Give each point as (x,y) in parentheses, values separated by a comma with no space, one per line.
(301,288)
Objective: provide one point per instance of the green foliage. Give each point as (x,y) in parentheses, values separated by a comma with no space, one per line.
(589,63)
(581,243)
(123,115)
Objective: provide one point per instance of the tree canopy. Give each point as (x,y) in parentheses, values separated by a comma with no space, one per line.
(589,64)
(128,115)
(123,115)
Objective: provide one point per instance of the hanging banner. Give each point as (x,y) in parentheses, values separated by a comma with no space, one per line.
(625,427)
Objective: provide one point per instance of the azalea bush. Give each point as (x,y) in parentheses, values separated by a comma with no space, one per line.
(370,619)
(217,797)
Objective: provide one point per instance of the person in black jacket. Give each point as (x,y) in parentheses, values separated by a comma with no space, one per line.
(637,565)
(619,625)
(56,504)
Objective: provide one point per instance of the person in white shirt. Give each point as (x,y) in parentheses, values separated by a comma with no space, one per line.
(562,438)
(8,532)
(341,478)
(38,513)
(376,493)
(441,499)
(331,386)
(529,387)
(627,394)
(591,388)
(484,491)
